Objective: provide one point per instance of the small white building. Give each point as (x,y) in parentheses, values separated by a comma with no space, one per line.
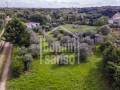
(115,19)
(7,19)
(31,25)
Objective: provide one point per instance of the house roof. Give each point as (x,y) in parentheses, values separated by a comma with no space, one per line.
(116,16)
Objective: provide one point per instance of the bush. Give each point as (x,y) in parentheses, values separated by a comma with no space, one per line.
(104,46)
(98,39)
(17,67)
(101,21)
(65,39)
(22,51)
(56,33)
(104,30)
(59,36)
(82,52)
(27,61)
(89,33)
(89,41)
(112,72)
(34,49)
(111,54)
(33,38)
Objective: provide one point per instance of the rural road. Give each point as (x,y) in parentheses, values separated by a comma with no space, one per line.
(6,58)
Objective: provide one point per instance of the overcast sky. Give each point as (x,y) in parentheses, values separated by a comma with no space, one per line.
(58,3)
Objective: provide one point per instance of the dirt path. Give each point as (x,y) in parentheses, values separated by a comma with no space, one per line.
(6,57)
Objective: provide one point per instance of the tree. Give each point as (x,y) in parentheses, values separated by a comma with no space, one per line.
(15,32)
(104,30)
(38,18)
(103,20)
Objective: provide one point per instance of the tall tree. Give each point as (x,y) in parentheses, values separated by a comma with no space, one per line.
(15,32)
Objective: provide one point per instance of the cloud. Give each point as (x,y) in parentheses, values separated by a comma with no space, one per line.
(58,3)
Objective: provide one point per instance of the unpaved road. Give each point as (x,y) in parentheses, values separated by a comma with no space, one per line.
(6,57)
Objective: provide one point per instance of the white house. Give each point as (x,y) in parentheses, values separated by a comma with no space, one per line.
(7,19)
(32,25)
(115,19)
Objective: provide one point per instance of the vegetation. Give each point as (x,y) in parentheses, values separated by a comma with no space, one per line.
(15,32)
(49,76)
(111,59)
(88,54)
(83,28)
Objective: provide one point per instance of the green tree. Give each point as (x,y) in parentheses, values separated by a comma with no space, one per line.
(101,21)
(15,32)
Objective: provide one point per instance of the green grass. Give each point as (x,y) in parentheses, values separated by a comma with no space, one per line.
(86,76)
(83,28)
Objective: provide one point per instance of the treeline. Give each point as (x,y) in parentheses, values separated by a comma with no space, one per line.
(90,16)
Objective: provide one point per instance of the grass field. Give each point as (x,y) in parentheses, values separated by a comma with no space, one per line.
(83,28)
(84,76)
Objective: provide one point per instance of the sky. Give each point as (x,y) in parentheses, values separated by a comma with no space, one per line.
(58,3)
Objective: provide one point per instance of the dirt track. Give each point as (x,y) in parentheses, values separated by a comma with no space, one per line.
(6,58)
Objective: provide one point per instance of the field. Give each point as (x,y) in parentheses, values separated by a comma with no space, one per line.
(83,28)
(84,76)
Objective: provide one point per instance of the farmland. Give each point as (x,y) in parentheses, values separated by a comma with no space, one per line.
(60,48)
(54,77)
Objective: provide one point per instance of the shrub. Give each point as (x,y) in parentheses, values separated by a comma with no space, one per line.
(104,30)
(89,41)
(33,38)
(103,20)
(34,49)
(88,33)
(112,54)
(22,51)
(59,36)
(65,39)
(17,67)
(66,33)
(82,52)
(104,46)
(112,72)
(98,39)
(27,61)
(56,33)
